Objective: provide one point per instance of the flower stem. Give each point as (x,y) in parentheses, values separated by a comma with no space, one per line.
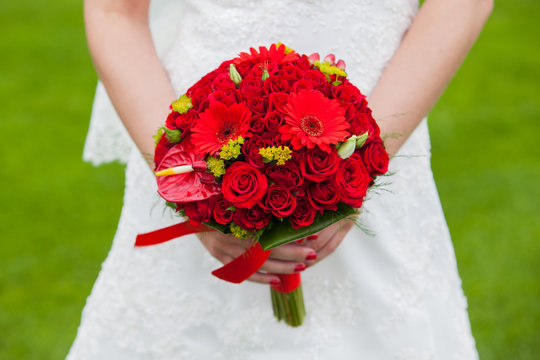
(289,306)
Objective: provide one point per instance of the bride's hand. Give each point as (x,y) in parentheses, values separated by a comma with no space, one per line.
(285,259)
(326,241)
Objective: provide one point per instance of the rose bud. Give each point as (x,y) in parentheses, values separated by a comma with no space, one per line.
(313,57)
(361,140)
(347,148)
(341,65)
(235,75)
(330,58)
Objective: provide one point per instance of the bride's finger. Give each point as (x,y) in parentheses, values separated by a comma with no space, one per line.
(232,250)
(283,267)
(293,252)
(262,278)
(331,245)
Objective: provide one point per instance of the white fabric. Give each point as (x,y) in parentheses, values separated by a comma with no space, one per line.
(394,295)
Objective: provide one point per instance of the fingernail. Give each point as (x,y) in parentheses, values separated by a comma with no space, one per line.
(300,267)
(275,282)
(300,241)
(311,256)
(312,237)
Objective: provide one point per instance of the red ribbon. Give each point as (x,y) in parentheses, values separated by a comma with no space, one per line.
(236,271)
(243,266)
(169,233)
(288,283)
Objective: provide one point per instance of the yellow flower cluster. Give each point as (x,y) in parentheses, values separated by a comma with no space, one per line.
(158,135)
(329,70)
(216,166)
(231,150)
(239,232)
(276,153)
(182,105)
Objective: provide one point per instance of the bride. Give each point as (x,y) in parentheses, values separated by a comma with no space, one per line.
(394,295)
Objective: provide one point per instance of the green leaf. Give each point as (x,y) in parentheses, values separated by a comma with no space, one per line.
(174,135)
(283,233)
(214,225)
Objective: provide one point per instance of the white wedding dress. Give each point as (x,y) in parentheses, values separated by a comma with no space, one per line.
(394,295)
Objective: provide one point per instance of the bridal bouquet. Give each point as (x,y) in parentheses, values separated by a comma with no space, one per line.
(271,146)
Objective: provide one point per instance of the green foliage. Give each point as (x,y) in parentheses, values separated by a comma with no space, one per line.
(282,232)
(58,219)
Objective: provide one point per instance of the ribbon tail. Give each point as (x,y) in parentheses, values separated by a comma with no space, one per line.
(169,233)
(244,266)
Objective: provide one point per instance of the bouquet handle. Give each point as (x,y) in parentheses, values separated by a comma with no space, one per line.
(288,299)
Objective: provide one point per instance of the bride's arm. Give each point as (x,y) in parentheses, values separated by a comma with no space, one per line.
(119,39)
(434,47)
(123,52)
(431,52)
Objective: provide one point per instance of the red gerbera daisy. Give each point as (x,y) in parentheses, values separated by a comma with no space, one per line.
(274,54)
(313,120)
(217,125)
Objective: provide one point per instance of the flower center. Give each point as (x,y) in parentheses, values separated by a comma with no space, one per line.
(311,125)
(226,131)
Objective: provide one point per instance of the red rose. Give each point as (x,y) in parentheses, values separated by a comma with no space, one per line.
(279,201)
(302,84)
(257,70)
(221,214)
(257,105)
(273,120)
(319,81)
(252,219)
(185,121)
(316,77)
(290,72)
(200,98)
(243,185)
(171,120)
(353,179)
(359,123)
(251,87)
(303,214)
(375,157)
(227,97)
(317,165)
(276,84)
(277,100)
(223,82)
(302,62)
(251,147)
(257,125)
(324,195)
(347,93)
(199,211)
(287,175)
(245,67)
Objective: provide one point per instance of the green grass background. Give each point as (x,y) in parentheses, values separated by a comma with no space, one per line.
(57,221)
